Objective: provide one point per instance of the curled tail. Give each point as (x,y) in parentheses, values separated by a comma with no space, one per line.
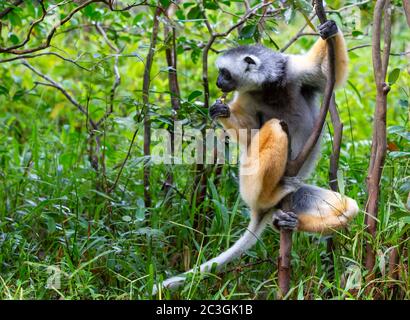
(244,243)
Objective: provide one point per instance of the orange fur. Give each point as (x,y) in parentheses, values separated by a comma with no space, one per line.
(317,55)
(332,212)
(267,156)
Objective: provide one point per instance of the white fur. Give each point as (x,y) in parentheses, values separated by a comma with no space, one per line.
(297,66)
(247,75)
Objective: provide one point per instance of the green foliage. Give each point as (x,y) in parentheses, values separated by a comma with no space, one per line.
(56,209)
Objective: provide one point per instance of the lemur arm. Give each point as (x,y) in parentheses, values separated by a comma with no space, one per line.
(233,118)
(311,68)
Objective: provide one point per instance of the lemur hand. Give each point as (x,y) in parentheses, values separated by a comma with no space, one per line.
(219,109)
(328,29)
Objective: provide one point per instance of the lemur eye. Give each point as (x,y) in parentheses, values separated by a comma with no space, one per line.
(226,74)
(249,60)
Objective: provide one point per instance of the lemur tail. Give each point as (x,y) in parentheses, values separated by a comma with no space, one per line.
(244,243)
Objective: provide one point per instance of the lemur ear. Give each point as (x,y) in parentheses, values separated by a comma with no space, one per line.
(249,60)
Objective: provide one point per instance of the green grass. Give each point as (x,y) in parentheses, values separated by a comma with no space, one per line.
(54,214)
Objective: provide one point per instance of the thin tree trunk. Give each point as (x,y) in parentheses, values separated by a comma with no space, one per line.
(378,151)
(171,57)
(406,7)
(294,166)
(145,100)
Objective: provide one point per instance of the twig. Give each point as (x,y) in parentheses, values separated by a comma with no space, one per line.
(11,8)
(126,8)
(397,54)
(117,178)
(333,168)
(50,34)
(337,140)
(104,34)
(117,77)
(54,84)
(14,49)
(348,7)
(297,36)
(30,56)
(33,24)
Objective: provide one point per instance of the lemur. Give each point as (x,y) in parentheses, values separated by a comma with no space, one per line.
(271,86)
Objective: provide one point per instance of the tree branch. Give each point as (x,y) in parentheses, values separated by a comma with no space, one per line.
(14,49)
(30,56)
(54,84)
(337,141)
(297,36)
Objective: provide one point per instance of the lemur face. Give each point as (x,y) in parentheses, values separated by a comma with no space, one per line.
(225,82)
(247,68)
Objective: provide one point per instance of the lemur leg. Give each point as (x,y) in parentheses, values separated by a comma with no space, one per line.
(320,210)
(262,168)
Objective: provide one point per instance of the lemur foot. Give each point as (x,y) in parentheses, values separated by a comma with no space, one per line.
(285,220)
(219,110)
(327,29)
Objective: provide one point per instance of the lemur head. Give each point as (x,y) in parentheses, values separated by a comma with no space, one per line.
(248,68)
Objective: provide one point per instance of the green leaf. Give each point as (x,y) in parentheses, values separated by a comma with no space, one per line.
(393,76)
(340,181)
(404,103)
(165,3)
(14,39)
(51,225)
(210,4)
(405,219)
(308,21)
(355,89)
(4,91)
(248,31)
(126,218)
(138,18)
(194,94)
(14,19)
(194,13)
(398,154)
(140,213)
(356,33)
(180,14)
